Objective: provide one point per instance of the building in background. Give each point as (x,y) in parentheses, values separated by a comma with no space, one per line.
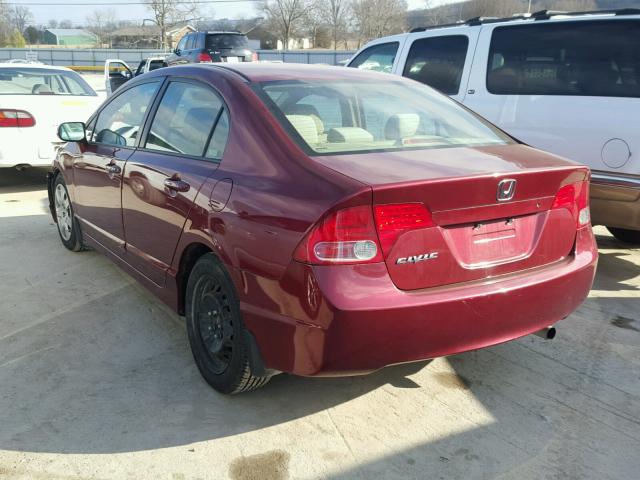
(148,36)
(69,37)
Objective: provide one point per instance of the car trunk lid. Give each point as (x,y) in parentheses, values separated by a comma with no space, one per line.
(484,223)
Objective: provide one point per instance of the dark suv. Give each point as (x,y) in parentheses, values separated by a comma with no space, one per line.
(199,47)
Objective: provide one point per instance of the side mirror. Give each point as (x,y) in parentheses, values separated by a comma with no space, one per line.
(71,132)
(176,51)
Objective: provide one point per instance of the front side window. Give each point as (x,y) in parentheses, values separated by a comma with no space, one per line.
(438,62)
(120,121)
(374,115)
(41,81)
(184,120)
(379,58)
(591,58)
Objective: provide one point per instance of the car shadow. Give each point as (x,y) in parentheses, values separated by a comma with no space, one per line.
(120,382)
(27,180)
(615,267)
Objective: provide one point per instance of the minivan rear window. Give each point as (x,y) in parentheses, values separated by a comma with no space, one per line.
(216,41)
(590,58)
(336,117)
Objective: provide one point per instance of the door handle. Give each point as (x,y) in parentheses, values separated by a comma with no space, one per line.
(177,185)
(113,169)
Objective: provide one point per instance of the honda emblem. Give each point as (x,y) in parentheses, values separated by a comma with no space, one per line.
(506,189)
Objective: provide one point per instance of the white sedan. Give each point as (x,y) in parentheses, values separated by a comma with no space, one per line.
(34,100)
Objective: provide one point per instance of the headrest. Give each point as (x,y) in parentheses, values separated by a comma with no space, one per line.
(401,126)
(349,134)
(305,126)
(309,110)
(442,76)
(41,88)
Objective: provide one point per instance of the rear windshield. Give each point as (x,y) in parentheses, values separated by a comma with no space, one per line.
(345,117)
(41,81)
(226,41)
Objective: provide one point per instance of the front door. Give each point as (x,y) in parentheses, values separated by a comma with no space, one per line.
(98,172)
(164,176)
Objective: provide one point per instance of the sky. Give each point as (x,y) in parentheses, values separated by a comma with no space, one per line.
(47,9)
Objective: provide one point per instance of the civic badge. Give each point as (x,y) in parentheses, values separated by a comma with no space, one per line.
(506,189)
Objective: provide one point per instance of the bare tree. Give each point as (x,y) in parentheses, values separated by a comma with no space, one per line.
(167,12)
(336,16)
(102,22)
(378,18)
(20,16)
(285,17)
(65,24)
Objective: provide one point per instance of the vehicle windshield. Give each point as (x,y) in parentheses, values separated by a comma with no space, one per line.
(42,81)
(376,115)
(226,41)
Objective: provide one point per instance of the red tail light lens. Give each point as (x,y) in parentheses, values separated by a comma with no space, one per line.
(394,219)
(204,57)
(575,198)
(345,236)
(16,118)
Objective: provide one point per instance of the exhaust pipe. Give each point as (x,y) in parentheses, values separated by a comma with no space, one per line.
(547,333)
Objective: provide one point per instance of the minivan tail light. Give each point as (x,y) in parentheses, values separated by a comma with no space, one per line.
(575,198)
(343,236)
(392,220)
(204,57)
(16,118)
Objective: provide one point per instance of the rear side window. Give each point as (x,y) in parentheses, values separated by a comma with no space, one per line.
(379,58)
(217,41)
(184,120)
(592,58)
(40,81)
(438,62)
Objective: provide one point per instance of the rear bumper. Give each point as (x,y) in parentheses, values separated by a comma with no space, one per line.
(365,323)
(615,200)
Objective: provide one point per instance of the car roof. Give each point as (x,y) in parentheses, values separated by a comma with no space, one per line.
(542,16)
(264,72)
(223,32)
(33,65)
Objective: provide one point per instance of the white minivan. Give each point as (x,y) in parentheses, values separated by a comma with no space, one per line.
(566,83)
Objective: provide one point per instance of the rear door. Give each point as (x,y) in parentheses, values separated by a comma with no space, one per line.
(182,147)
(568,87)
(442,61)
(98,171)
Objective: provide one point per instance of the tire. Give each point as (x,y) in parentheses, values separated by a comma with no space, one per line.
(632,237)
(68,227)
(219,341)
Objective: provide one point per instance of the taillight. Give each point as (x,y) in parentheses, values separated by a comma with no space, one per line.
(204,57)
(575,198)
(394,219)
(16,118)
(344,236)
(254,57)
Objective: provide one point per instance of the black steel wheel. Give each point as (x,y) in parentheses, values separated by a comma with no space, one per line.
(217,336)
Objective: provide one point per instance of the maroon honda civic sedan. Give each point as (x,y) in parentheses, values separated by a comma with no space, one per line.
(323,221)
